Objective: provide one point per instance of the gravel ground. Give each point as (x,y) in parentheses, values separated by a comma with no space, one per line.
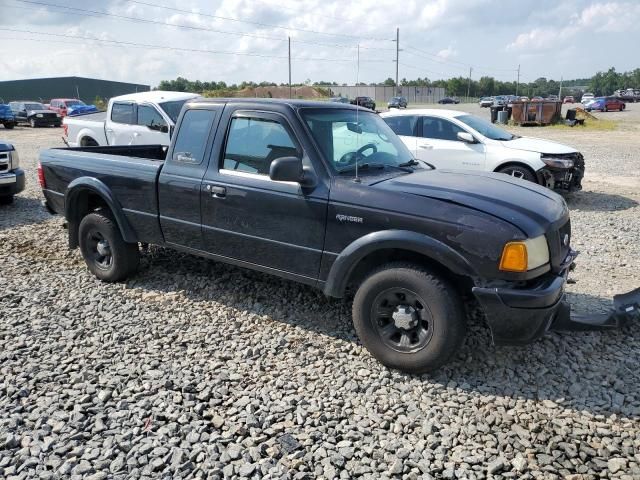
(197,369)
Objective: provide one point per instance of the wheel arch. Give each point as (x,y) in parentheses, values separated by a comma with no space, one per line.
(87,194)
(369,252)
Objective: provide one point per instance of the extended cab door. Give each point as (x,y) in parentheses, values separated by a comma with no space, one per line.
(250,218)
(120,123)
(180,179)
(438,144)
(152,128)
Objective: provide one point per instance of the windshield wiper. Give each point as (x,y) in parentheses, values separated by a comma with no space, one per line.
(360,166)
(410,163)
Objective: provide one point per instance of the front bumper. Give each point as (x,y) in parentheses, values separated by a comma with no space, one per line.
(518,316)
(12,183)
(47,122)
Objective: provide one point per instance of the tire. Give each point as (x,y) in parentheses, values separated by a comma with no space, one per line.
(519,171)
(605,109)
(7,200)
(428,336)
(88,142)
(32,122)
(105,252)
(9,126)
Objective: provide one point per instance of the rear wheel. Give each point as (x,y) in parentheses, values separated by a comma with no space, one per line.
(519,171)
(105,252)
(409,318)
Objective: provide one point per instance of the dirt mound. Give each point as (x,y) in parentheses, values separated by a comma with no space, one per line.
(279,92)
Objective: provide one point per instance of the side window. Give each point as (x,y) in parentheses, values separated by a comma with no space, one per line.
(123,113)
(440,129)
(403,125)
(150,117)
(253,143)
(191,140)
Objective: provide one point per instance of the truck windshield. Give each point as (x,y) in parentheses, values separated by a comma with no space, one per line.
(34,106)
(173,109)
(485,128)
(348,137)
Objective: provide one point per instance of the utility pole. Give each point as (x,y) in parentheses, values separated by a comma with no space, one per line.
(518,82)
(469,83)
(290,67)
(397,57)
(560,91)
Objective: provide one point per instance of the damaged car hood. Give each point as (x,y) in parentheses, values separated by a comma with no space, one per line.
(528,206)
(531,144)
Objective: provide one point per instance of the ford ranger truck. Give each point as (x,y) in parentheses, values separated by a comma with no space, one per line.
(327,195)
(11,175)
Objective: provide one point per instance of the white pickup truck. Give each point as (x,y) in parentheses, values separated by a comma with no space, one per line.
(145,118)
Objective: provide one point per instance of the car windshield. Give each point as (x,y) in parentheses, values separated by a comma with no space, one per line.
(173,109)
(348,137)
(74,103)
(34,106)
(486,128)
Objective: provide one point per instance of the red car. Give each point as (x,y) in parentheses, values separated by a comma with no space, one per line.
(60,105)
(606,104)
(569,99)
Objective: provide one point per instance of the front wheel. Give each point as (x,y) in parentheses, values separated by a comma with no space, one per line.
(105,252)
(32,122)
(519,171)
(6,200)
(409,318)
(9,126)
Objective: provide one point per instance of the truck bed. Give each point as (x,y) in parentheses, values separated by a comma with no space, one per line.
(132,180)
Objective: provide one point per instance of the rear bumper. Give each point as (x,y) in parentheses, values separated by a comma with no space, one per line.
(12,183)
(518,316)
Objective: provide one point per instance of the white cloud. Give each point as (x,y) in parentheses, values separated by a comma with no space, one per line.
(447,53)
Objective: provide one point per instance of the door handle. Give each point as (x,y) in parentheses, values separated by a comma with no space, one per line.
(426,147)
(217,192)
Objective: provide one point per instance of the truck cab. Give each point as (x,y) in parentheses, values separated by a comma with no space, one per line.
(11,175)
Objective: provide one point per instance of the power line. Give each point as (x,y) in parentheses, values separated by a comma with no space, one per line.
(182,49)
(191,27)
(454,63)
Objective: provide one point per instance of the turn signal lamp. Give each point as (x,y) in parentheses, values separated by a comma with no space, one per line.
(514,257)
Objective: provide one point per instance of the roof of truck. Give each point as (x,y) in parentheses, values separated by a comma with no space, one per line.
(157,96)
(296,103)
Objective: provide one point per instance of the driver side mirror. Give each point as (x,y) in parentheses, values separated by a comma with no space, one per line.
(286,169)
(466,137)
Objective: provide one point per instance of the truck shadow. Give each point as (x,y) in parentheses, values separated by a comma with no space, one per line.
(23,211)
(578,371)
(599,202)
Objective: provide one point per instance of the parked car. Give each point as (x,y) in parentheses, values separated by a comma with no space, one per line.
(366,102)
(340,100)
(606,104)
(586,98)
(524,99)
(448,100)
(485,102)
(6,116)
(458,140)
(144,118)
(11,175)
(328,196)
(35,114)
(397,102)
(499,101)
(71,106)
(569,99)
(537,98)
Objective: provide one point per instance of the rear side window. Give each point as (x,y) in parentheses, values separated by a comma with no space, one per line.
(403,125)
(191,141)
(253,143)
(123,113)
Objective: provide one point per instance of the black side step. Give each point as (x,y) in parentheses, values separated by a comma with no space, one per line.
(626,307)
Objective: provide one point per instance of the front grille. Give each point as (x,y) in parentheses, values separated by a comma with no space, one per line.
(557,249)
(4,162)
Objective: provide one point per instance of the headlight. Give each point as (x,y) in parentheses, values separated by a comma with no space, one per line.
(58,115)
(525,255)
(15,159)
(39,115)
(557,162)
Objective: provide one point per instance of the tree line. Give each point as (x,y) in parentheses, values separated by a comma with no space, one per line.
(602,83)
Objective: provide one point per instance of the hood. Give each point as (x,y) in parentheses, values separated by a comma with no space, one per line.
(34,112)
(539,145)
(528,206)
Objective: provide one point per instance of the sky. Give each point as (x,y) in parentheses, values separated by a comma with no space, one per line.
(146,41)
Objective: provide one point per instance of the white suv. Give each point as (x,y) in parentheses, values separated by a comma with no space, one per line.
(586,98)
(455,140)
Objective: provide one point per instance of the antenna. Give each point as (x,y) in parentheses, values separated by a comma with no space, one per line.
(357,179)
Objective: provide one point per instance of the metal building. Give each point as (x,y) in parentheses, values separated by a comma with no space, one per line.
(44,89)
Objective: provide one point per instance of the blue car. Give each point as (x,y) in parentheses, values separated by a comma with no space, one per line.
(6,117)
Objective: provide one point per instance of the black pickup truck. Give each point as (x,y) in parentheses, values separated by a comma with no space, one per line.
(327,195)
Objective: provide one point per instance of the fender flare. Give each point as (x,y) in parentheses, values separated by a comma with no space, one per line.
(349,258)
(95,186)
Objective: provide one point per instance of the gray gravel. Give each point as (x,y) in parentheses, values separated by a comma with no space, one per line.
(196,369)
